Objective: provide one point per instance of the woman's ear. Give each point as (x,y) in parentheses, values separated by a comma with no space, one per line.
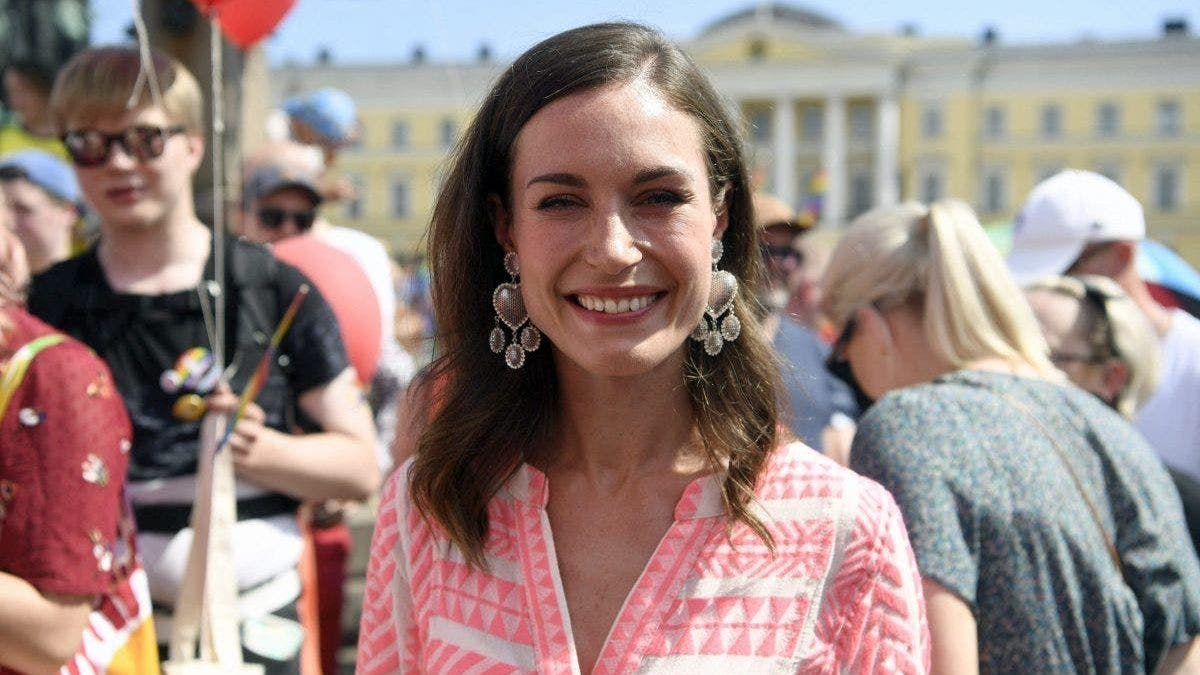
(875,327)
(721,207)
(501,222)
(195,145)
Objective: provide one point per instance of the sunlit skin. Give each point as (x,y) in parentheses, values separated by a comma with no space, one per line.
(288,199)
(14,271)
(128,193)
(1059,317)
(43,223)
(611,201)
(29,103)
(779,268)
(870,352)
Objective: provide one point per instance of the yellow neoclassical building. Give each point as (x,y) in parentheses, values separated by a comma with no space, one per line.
(837,122)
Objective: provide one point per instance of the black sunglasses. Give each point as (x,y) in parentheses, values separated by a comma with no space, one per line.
(90,147)
(837,353)
(273,217)
(780,252)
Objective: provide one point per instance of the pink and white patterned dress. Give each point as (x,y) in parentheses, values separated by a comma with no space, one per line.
(840,594)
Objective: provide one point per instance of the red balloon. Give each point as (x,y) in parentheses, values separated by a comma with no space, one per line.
(245,22)
(344,285)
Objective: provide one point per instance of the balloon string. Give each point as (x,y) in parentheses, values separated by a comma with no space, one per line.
(146,73)
(218,164)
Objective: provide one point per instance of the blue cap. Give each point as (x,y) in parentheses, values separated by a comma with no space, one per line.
(330,112)
(45,171)
(269,178)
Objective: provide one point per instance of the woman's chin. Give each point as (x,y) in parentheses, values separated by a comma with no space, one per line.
(621,359)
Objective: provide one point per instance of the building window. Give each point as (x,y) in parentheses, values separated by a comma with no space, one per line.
(1167,119)
(401,193)
(995,190)
(931,185)
(1166,187)
(1051,121)
(812,123)
(354,205)
(931,121)
(994,123)
(399,134)
(1110,171)
(1108,119)
(860,121)
(1047,170)
(860,193)
(757,49)
(760,125)
(448,132)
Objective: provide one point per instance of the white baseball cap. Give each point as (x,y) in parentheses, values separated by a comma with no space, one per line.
(1065,213)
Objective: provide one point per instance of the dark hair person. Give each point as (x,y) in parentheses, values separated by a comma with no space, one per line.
(1048,535)
(601,486)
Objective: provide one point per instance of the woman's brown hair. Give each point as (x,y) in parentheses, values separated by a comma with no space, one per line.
(486,418)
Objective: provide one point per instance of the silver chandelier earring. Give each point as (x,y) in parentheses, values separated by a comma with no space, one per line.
(719,324)
(510,310)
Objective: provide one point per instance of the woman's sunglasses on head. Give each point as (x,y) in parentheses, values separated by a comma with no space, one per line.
(91,147)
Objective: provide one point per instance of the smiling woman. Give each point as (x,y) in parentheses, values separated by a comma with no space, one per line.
(615,496)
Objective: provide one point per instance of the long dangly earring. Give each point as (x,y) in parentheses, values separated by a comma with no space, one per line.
(719,324)
(510,309)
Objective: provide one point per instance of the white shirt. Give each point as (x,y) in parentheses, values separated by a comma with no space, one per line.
(1170,420)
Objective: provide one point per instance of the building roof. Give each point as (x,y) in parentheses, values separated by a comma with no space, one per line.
(776,13)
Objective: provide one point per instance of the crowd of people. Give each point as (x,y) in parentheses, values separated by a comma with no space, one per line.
(661,429)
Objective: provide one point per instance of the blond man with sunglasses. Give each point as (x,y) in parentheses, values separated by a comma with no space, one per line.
(143,299)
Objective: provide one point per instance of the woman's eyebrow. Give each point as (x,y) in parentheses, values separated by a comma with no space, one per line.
(568,179)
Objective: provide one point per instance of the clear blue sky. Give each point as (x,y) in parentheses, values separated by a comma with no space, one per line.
(388,30)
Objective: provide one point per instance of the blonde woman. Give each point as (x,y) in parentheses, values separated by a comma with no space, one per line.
(1098,337)
(1048,536)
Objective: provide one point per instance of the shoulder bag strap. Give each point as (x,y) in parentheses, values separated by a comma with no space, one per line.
(14,372)
(1062,456)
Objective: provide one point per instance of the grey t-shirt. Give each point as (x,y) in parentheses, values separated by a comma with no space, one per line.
(995,517)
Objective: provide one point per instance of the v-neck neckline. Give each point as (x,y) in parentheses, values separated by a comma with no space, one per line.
(697,512)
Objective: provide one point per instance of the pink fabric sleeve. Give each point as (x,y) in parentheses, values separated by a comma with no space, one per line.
(387,634)
(883,624)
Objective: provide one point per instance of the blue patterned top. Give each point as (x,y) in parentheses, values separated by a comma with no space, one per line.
(994,516)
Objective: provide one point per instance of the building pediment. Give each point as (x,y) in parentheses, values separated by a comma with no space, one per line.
(768,32)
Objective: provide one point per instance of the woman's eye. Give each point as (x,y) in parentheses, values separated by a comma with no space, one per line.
(557,202)
(659,197)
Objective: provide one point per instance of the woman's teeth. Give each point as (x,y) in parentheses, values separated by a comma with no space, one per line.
(614,306)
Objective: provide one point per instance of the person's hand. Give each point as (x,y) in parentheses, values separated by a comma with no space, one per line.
(252,442)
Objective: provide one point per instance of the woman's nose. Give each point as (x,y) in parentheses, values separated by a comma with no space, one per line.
(612,246)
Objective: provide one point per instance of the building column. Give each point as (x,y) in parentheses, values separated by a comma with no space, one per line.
(833,162)
(887,150)
(784,136)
